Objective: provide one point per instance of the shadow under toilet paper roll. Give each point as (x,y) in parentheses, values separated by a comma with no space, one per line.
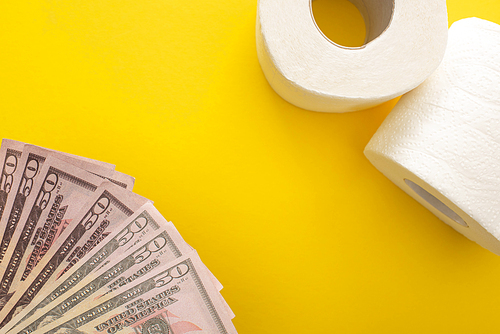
(435,201)
(441,142)
(405,42)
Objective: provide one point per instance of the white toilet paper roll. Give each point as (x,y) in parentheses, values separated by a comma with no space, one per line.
(441,143)
(405,43)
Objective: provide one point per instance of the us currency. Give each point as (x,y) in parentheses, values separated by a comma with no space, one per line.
(85,283)
(110,206)
(37,250)
(10,154)
(143,224)
(120,179)
(155,252)
(58,193)
(177,298)
(103,170)
(28,168)
(20,145)
(42,240)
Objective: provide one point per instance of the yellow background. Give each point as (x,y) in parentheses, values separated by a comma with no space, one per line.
(305,234)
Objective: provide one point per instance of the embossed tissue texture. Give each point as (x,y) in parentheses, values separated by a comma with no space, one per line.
(447,130)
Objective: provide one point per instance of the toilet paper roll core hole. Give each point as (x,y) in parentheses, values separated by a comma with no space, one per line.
(435,202)
(377,15)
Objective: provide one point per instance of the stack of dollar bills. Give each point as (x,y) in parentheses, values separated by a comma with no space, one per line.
(81,253)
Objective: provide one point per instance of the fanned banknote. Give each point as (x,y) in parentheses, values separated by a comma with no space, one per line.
(144,225)
(120,179)
(81,253)
(21,171)
(59,192)
(10,156)
(109,206)
(158,248)
(177,298)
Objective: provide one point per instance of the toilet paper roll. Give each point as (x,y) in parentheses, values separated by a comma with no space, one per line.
(405,42)
(441,142)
